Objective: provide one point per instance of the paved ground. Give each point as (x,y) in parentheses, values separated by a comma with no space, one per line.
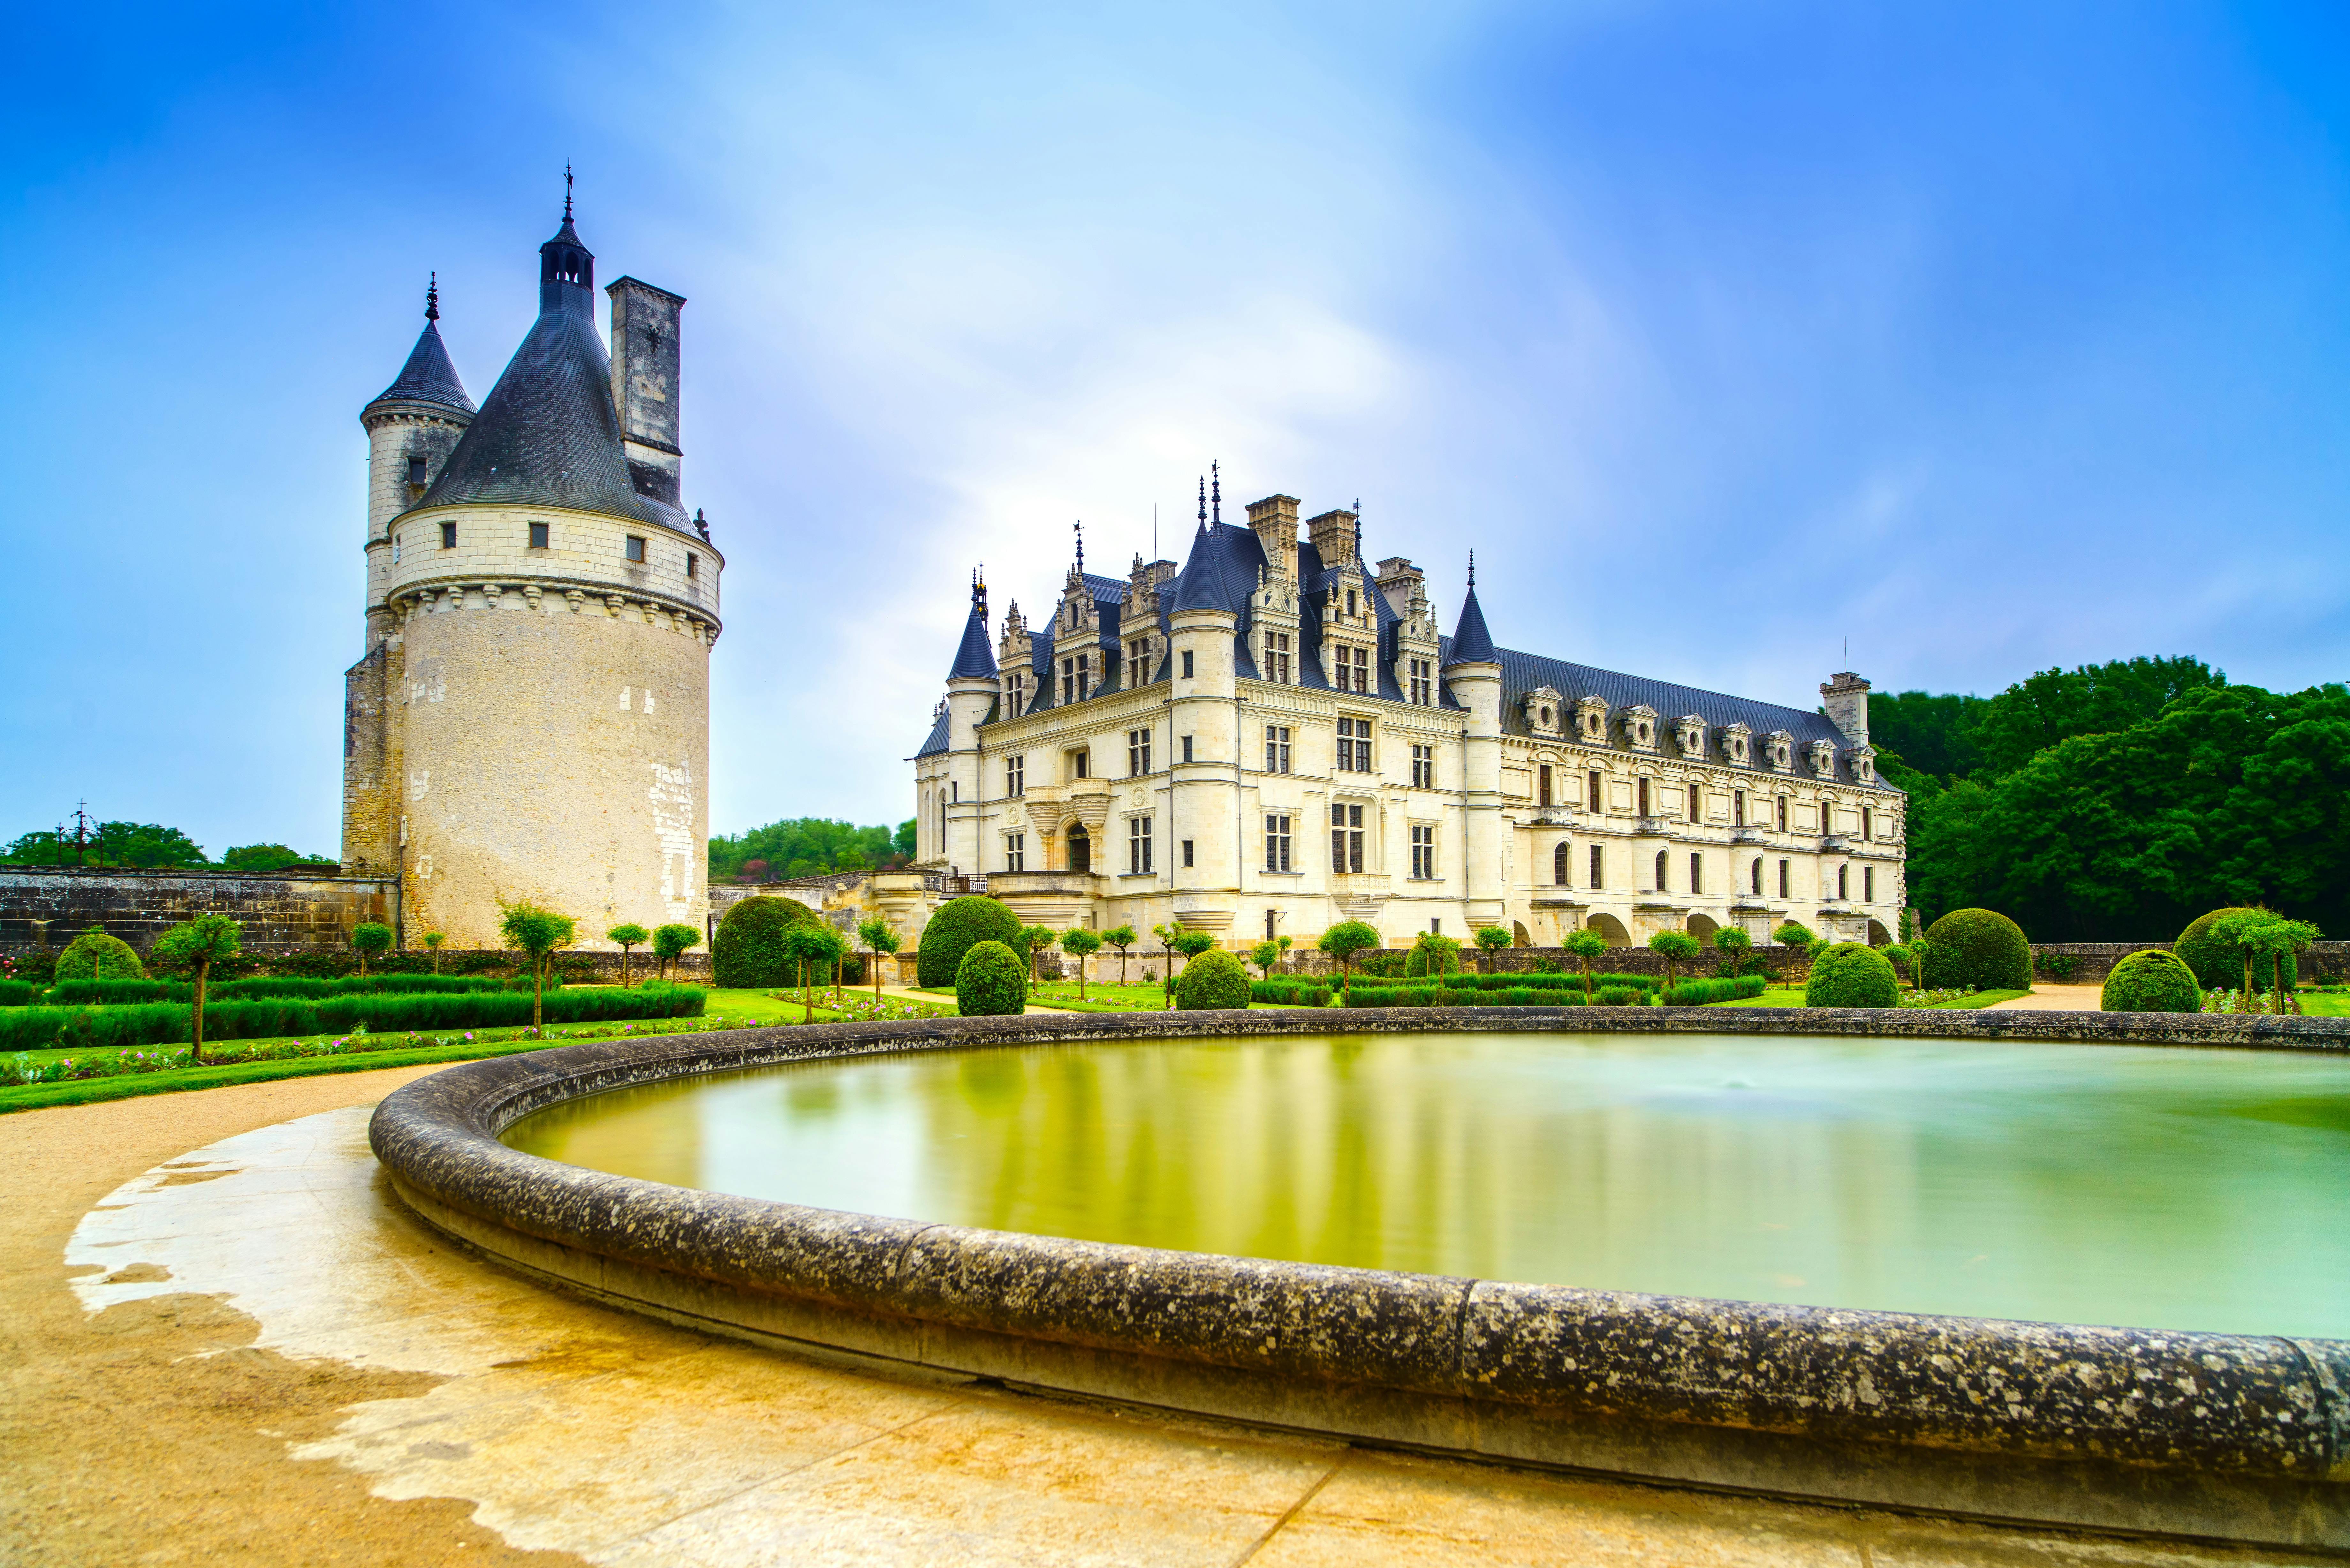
(222,1342)
(2046,998)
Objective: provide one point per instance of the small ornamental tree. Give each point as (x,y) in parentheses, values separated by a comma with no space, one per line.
(1166,932)
(630,937)
(369,939)
(671,941)
(433,940)
(1121,937)
(2214,962)
(1034,941)
(1432,955)
(816,945)
(991,982)
(94,955)
(880,936)
(1267,954)
(1492,939)
(539,933)
(1679,948)
(1733,941)
(200,943)
(1343,941)
(1081,944)
(1794,934)
(1586,945)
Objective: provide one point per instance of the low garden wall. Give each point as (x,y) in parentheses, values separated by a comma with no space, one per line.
(49,905)
(2228,1437)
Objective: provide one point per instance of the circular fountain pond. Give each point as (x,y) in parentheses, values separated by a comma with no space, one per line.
(2161,1188)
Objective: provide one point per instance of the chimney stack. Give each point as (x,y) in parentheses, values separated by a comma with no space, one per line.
(644,386)
(1275,521)
(1333,534)
(1847,705)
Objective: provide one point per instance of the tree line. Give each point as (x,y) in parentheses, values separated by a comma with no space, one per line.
(149,844)
(2118,802)
(808,846)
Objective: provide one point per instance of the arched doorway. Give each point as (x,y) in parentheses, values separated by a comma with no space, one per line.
(1081,849)
(1877,935)
(1518,935)
(1703,927)
(1611,930)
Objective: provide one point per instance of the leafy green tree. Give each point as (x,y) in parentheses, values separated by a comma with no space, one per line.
(539,933)
(1121,937)
(1733,941)
(1798,935)
(816,945)
(1034,941)
(2056,705)
(671,943)
(271,858)
(630,937)
(1586,945)
(1679,948)
(369,940)
(903,841)
(1492,939)
(142,844)
(197,944)
(801,847)
(94,955)
(1082,944)
(1932,733)
(433,940)
(1898,954)
(880,936)
(1432,954)
(1344,941)
(1267,953)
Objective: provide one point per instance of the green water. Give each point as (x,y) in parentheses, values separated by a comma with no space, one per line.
(2172,1188)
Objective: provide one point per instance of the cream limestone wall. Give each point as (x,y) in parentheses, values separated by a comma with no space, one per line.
(546,721)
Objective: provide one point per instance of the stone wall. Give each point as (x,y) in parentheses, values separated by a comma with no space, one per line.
(281,912)
(2092,961)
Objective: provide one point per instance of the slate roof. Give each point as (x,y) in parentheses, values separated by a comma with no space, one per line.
(546,434)
(1470,643)
(427,377)
(974,656)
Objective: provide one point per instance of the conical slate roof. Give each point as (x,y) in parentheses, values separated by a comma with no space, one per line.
(974,656)
(427,377)
(547,434)
(1472,643)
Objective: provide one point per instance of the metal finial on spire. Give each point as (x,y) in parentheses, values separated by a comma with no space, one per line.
(1080,526)
(1203,502)
(566,193)
(1473,569)
(432,297)
(1216,490)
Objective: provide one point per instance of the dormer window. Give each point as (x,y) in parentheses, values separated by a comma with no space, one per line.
(1543,710)
(1350,604)
(1137,663)
(1423,682)
(1823,759)
(1688,734)
(1640,726)
(1278,667)
(1864,768)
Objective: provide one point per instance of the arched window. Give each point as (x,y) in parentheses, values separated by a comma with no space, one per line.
(1558,864)
(1662,866)
(1844,874)
(1081,849)
(1758,876)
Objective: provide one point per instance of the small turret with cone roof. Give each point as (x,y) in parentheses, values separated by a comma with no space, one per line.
(973,659)
(1472,643)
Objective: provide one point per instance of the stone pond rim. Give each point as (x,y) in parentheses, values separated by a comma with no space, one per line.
(2225,1436)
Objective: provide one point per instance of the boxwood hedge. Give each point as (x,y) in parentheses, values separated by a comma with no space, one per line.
(1980,947)
(991,982)
(164,1022)
(2151,982)
(1853,974)
(961,925)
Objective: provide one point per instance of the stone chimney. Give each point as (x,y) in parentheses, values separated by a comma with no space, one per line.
(1275,521)
(644,385)
(1402,584)
(1846,697)
(1333,534)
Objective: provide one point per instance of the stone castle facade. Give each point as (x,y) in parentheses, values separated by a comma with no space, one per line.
(531,718)
(1275,737)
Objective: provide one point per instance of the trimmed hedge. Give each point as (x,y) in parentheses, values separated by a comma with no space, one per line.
(1980,947)
(1853,974)
(1697,993)
(94,955)
(991,982)
(17,992)
(164,1022)
(118,992)
(1212,980)
(961,925)
(1290,993)
(748,953)
(2151,982)
(1545,981)
(1620,996)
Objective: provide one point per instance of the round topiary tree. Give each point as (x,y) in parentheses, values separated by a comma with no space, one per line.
(992,980)
(1980,947)
(1850,974)
(94,955)
(748,951)
(2151,982)
(1432,954)
(2217,965)
(1214,979)
(960,925)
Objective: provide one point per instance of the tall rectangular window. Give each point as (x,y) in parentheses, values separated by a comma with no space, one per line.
(416,472)
(1738,809)
(1355,746)
(1276,748)
(1138,844)
(1782,881)
(1015,852)
(1697,805)
(1019,689)
(1558,864)
(1542,784)
(1085,675)
(1423,682)
(448,535)
(1138,753)
(1354,668)
(1276,843)
(1782,813)
(636,551)
(1423,853)
(538,539)
(1595,866)
(1138,663)
(1187,854)
(1593,799)
(1068,680)
(693,565)
(1423,767)
(1867,821)
(1187,664)
(1844,883)
(1697,873)
(1187,748)
(1015,776)
(1080,764)
(1277,653)
(1869,883)
(1757,876)
(1346,839)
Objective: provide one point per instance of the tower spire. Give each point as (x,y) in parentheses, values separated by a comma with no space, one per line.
(1203,503)
(432,297)
(1473,569)
(1079,526)
(566,193)
(1216,490)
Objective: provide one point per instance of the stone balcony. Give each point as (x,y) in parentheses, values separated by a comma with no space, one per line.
(1044,897)
(1748,835)
(1651,826)
(1832,843)
(1553,817)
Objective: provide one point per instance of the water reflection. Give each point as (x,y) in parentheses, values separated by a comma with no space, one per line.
(2173,1189)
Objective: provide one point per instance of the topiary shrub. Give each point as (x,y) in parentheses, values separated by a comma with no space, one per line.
(1417,961)
(94,955)
(2216,965)
(992,980)
(1620,996)
(2151,982)
(748,953)
(1214,979)
(1980,947)
(960,925)
(1853,974)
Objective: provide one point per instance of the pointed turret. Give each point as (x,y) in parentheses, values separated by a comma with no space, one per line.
(1472,643)
(974,657)
(428,378)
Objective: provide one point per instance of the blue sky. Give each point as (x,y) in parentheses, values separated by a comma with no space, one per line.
(1990,336)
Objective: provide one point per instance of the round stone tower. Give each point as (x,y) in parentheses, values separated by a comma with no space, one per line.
(540,616)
